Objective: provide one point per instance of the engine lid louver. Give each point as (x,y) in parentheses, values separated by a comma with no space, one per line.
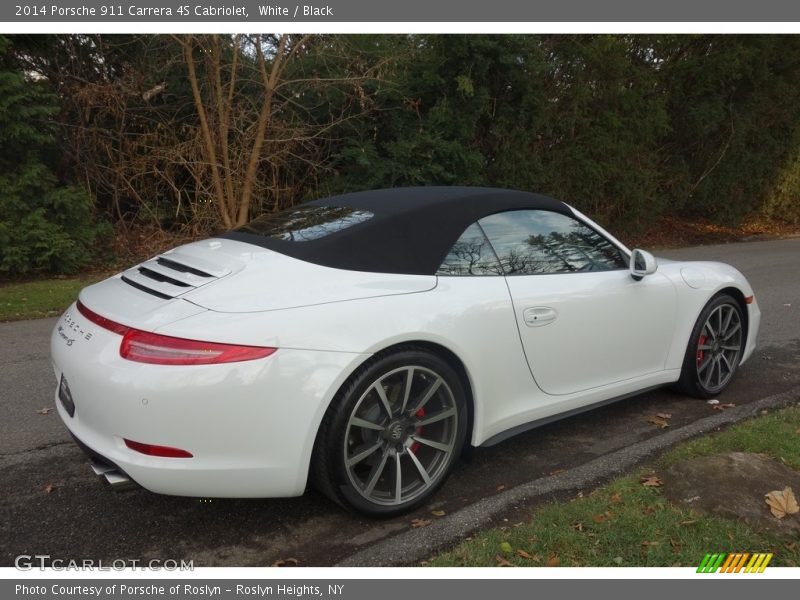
(173,274)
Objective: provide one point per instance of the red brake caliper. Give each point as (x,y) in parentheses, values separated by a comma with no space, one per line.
(415,446)
(701,353)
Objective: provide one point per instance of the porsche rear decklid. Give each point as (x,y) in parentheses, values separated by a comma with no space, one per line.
(231,276)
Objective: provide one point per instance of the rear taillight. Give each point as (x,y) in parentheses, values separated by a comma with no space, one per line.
(155,450)
(102,321)
(156,349)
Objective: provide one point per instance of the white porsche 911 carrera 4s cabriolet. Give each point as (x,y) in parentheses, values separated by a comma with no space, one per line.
(360,342)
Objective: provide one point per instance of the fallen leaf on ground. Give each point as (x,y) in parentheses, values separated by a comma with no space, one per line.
(647,544)
(438,513)
(664,415)
(44,411)
(281,562)
(48,489)
(782,502)
(651,481)
(526,556)
(556,472)
(688,522)
(723,406)
(500,488)
(598,518)
(553,561)
(659,422)
(502,562)
(415,523)
(578,526)
(506,547)
(616,498)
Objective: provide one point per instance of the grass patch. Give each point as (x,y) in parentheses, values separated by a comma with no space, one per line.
(43,298)
(625,523)
(776,434)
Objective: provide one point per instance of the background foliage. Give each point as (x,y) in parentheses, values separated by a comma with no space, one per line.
(193,134)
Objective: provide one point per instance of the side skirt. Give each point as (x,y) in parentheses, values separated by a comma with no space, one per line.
(509,433)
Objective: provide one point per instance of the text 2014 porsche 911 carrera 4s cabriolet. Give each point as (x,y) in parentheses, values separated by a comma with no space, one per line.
(360,342)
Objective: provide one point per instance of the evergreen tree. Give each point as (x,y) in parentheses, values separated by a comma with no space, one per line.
(45,225)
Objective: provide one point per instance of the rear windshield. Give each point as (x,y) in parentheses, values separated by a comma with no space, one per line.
(305,223)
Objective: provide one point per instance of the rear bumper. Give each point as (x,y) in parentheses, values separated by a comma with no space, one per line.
(94,454)
(250,426)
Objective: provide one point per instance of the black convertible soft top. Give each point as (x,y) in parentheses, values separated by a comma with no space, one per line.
(401,230)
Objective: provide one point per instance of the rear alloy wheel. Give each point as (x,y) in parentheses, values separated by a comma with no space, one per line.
(714,350)
(394,435)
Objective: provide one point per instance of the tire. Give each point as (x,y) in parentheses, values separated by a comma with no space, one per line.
(377,426)
(714,349)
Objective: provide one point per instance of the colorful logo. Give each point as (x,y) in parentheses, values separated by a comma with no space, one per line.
(743,562)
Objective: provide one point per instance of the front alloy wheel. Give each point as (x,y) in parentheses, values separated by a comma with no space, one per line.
(715,349)
(394,435)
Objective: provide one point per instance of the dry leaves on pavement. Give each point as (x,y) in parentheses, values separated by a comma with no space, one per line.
(44,411)
(417,523)
(782,502)
(660,420)
(723,406)
(293,562)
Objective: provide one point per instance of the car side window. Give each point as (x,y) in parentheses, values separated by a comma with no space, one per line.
(531,242)
(471,255)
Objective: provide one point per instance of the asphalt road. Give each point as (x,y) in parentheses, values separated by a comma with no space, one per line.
(82,518)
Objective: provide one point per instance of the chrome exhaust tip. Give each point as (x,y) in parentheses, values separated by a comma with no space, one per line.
(118,481)
(99,468)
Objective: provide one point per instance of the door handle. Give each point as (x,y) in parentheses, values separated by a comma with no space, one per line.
(539,316)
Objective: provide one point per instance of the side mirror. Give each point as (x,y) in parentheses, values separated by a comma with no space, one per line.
(642,263)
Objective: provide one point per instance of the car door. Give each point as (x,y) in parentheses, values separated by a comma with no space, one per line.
(583,320)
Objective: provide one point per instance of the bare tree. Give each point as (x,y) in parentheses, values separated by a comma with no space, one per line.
(255,117)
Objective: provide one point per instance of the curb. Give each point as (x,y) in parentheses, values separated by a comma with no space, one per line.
(417,544)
